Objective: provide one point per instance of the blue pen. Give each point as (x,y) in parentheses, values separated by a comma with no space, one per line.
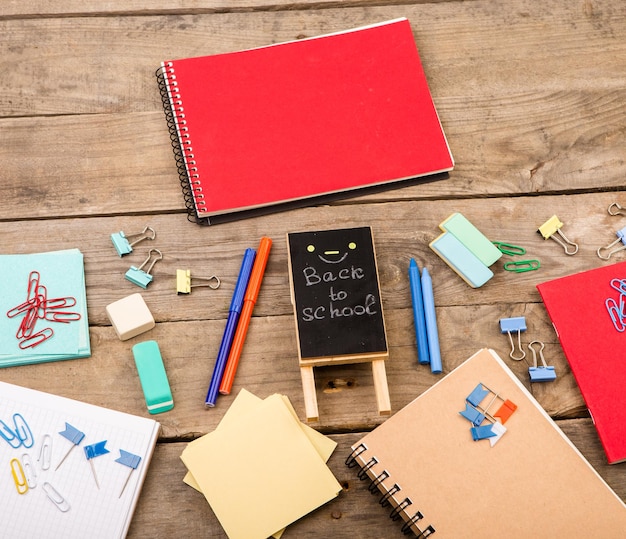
(418,313)
(431,322)
(231,325)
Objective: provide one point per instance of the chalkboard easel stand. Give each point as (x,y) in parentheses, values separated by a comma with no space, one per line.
(310,397)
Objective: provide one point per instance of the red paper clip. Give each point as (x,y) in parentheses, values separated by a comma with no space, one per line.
(36,339)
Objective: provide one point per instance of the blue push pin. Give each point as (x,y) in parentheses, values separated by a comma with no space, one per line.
(510,325)
(91,452)
(543,373)
(140,277)
(73,435)
(130,460)
(122,244)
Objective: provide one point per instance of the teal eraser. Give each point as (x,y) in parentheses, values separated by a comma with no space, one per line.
(461,260)
(458,225)
(153,378)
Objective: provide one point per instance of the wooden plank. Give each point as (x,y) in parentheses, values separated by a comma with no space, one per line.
(572,141)
(355,512)
(189,327)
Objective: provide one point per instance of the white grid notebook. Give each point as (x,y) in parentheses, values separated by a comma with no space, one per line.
(81,508)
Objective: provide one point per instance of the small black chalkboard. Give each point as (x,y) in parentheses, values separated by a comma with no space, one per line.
(336,296)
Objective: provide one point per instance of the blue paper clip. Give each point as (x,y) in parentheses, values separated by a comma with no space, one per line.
(123,246)
(616,312)
(516,324)
(140,277)
(621,237)
(543,373)
(18,437)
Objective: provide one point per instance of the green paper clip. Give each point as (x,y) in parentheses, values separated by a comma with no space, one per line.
(509,248)
(520,266)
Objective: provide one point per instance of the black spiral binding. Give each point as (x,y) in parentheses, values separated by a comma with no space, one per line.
(172,106)
(396,513)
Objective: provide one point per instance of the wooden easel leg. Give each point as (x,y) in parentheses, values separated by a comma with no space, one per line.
(310,398)
(381,387)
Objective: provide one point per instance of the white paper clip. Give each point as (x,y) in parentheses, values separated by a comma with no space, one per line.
(122,244)
(140,277)
(45,453)
(541,373)
(184,282)
(516,324)
(55,497)
(553,226)
(29,471)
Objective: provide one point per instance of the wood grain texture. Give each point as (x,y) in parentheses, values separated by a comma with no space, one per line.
(532,98)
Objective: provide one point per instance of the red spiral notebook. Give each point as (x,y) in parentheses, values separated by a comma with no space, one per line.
(302,122)
(594,343)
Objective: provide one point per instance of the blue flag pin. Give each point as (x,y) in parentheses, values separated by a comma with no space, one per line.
(130,460)
(91,452)
(73,435)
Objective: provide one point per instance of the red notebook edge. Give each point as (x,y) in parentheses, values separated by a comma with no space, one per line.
(599,383)
(187,173)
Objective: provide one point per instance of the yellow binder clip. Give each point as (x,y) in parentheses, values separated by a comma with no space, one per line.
(553,226)
(184,284)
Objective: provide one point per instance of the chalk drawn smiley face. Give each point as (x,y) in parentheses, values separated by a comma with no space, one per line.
(332,256)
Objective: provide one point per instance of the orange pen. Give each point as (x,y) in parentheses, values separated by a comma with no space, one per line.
(252,292)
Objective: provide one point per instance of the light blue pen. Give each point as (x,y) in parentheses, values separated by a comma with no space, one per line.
(418,313)
(431,322)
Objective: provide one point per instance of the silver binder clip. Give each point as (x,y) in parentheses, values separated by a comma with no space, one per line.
(616,209)
(184,284)
(550,228)
(122,244)
(140,277)
(621,237)
(541,373)
(516,324)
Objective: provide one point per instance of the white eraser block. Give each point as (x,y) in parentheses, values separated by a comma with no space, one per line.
(130,316)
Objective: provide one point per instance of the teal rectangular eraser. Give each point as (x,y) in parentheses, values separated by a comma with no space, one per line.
(461,260)
(458,225)
(153,378)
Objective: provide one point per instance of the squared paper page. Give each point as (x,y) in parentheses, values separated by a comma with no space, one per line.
(94,513)
(263,468)
(63,275)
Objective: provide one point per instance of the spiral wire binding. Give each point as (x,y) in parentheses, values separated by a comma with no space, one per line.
(410,525)
(174,115)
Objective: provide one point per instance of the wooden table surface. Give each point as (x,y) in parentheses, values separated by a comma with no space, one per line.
(532,97)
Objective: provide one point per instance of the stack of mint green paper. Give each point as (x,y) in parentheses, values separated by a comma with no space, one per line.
(63,275)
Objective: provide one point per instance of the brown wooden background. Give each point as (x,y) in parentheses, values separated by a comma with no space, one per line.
(532,97)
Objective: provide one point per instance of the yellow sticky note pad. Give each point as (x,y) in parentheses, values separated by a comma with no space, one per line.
(263,457)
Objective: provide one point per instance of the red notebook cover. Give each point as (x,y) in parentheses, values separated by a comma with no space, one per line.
(293,121)
(595,346)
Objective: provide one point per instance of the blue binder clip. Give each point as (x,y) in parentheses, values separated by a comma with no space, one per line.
(510,325)
(543,373)
(122,244)
(140,277)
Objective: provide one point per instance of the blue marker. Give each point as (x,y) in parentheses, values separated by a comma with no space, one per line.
(418,313)
(231,325)
(431,322)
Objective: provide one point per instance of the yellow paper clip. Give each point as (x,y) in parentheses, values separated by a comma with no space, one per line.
(553,226)
(184,284)
(21,484)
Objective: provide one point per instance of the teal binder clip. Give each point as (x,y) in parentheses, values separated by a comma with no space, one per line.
(540,373)
(122,244)
(153,378)
(140,277)
(514,325)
